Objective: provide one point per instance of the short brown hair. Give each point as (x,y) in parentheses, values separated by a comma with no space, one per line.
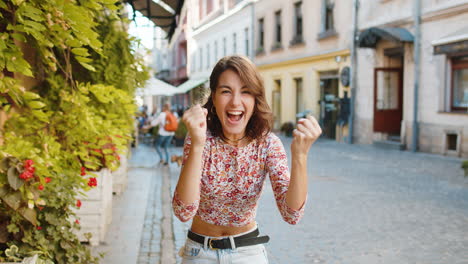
(260,123)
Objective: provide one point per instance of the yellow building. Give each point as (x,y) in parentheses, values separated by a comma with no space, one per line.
(302,51)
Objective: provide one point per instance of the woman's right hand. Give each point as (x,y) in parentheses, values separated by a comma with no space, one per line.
(195,120)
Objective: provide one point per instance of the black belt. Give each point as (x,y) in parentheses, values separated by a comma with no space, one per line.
(248,239)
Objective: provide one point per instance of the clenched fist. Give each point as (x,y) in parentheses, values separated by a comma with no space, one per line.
(195,120)
(307,132)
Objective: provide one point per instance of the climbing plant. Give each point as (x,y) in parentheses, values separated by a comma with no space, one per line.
(67,78)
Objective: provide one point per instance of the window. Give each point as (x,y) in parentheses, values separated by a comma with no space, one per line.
(459,91)
(278,29)
(234,43)
(299,96)
(246,31)
(261,38)
(224,47)
(208,61)
(328,21)
(297,23)
(329,15)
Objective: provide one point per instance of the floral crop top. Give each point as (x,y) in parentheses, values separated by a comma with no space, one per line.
(232,180)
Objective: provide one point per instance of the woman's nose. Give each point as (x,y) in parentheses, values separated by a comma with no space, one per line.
(236,99)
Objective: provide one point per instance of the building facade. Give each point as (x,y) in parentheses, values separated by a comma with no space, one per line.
(301,49)
(218,28)
(389,75)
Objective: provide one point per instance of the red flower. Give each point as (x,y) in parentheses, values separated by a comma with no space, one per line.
(114,148)
(92,182)
(28,163)
(77,221)
(41,187)
(78,203)
(118,157)
(31,170)
(40,208)
(26,175)
(39,227)
(47,179)
(83,171)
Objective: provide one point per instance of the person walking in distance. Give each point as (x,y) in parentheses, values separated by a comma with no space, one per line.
(167,125)
(228,153)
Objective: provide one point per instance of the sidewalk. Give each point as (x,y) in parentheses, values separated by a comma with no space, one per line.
(365,206)
(139,223)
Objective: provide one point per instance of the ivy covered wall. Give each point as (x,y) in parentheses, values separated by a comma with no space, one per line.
(67,80)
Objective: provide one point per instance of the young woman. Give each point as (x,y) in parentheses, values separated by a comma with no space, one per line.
(227,155)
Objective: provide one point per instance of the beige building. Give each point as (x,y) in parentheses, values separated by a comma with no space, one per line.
(385,104)
(301,48)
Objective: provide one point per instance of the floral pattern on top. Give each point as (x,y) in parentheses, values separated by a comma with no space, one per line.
(232,181)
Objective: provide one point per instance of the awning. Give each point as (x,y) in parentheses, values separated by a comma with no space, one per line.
(453,43)
(160,16)
(190,84)
(369,37)
(155,86)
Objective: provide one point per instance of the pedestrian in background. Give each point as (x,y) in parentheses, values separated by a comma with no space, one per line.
(165,132)
(228,152)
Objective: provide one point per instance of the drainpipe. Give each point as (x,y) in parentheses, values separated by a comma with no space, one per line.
(417,70)
(252,32)
(354,65)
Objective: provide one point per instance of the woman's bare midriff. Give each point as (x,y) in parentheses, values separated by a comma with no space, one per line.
(203,228)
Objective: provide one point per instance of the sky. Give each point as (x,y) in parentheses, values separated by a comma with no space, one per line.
(141,28)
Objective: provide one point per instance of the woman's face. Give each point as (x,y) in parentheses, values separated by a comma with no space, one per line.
(234,103)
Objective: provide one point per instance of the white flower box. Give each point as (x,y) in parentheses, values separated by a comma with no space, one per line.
(120,176)
(95,214)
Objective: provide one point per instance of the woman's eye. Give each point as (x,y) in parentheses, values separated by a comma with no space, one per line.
(224,91)
(246,92)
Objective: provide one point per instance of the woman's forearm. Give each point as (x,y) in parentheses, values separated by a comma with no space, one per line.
(297,190)
(188,186)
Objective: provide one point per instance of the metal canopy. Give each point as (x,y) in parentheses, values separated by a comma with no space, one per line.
(160,16)
(371,36)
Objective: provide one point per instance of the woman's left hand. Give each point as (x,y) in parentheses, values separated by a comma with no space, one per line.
(307,132)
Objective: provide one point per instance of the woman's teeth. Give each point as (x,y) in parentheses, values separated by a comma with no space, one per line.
(235,115)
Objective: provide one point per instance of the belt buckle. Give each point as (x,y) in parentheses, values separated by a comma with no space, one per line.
(211,245)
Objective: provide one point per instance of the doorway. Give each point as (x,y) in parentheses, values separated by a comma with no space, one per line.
(329,102)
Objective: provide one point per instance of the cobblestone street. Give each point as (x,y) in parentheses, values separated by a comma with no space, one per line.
(365,205)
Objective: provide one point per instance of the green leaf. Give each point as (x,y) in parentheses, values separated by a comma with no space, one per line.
(29,214)
(80,52)
(3,191)
(13,200)
(36,104)
(14,179)
(4,164)
(87,66)
(30,95)
(40,115)
(12,251)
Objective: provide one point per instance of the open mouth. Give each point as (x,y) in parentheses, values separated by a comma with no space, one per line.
(234,116)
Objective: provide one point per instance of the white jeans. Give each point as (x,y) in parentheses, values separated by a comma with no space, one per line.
(195,253)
